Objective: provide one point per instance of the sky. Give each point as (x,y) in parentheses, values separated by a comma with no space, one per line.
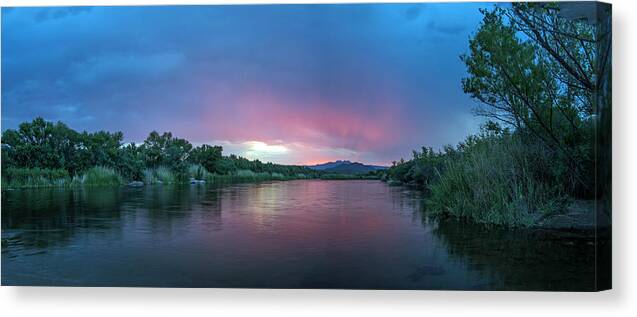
(291,84)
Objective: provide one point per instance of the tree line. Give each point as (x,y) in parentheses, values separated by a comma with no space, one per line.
(53,146)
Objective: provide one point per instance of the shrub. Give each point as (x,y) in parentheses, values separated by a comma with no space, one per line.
(148,176)
(34,177)
(498,180)
(165,175)
(340,176)
(197,171)
(206,156)
(245,174)
(159,175)
(100,176)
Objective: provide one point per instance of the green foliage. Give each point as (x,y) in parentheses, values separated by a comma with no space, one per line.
(37,178)
(423,169)
(160,175)
(497,177)
(101,176)
(225,166)
(148,176)
(169,152)
(38,147)
(251,175)
(207,156)
(337,176)
(100,149)
(34,177)
(47,145)
(131,162)
(532,70)
(198,172)
(535,73)
(44,145)
(498,180)
(246,176)
(232,164)
(166,175)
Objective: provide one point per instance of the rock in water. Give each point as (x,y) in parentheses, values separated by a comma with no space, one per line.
(197,181)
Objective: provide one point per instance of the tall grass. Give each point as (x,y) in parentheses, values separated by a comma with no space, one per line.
(101,176)
(199,172)
(337,176)
(40,178)
(248,176)
(159,175)
(34,178)
(497,181)
(251,176)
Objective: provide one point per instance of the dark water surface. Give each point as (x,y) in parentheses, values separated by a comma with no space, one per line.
(294,234)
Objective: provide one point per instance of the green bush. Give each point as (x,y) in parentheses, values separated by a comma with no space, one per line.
(245,174)
(40,146)
(422,170)
(159,175)
(498,180)
(101,176)
(340,176)
(197,171)
(34,177)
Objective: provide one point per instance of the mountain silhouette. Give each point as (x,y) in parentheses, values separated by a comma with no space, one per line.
(346,167)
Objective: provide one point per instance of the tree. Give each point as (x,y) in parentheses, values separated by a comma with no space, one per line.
(581,45)
(522,83)
(101,148)
(130,162)
(226,165)
(165,150)
(208,156)
(43,144)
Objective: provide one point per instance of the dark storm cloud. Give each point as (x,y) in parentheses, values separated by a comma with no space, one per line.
(374,81)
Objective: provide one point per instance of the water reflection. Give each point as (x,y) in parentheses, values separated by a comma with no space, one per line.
(309,234)
(524,259)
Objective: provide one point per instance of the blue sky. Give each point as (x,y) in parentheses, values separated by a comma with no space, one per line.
(284,83)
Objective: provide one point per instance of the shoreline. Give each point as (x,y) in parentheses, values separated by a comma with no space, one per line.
(219,179)
(579,215)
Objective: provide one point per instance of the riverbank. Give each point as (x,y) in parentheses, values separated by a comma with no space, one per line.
(35,178)
(25,178)
(576,214)
(584,215)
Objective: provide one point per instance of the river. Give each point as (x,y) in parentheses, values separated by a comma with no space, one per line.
(287,234)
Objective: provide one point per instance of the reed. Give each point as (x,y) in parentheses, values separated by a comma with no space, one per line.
(101,176)
(496,181)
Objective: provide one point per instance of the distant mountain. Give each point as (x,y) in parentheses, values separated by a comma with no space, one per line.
(346,167)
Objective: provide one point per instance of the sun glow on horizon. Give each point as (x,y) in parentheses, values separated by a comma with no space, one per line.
(292,153)
(262,147)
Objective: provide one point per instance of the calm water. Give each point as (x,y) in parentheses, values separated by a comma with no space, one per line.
(295,234)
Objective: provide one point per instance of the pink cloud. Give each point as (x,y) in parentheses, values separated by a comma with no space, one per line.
(263,117)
